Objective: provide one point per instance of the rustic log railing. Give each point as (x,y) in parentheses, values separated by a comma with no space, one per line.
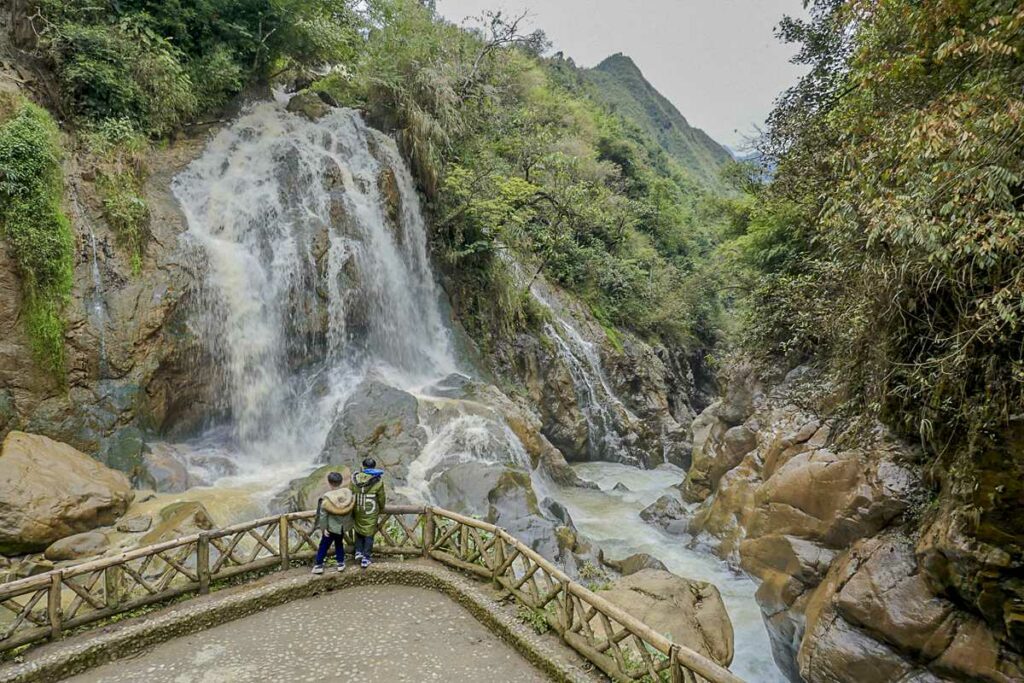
(42,607)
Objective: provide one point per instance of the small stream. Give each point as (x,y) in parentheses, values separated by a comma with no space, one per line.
(612,520)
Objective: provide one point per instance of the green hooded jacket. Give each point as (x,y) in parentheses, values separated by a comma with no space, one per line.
(370,497)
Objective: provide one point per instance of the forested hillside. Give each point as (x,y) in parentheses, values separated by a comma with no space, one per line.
(511,155)
(618,84)
(886,259)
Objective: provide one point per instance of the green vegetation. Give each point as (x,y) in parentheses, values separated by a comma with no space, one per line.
(534,618)
(117,152)
(890,242)
(37,232)
(619,84)
(157,64)
(517,158)
(514,152)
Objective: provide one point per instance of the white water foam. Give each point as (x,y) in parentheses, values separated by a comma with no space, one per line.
(611,519)
(311,277)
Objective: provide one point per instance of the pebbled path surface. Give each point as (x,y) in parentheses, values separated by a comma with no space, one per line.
(366,633)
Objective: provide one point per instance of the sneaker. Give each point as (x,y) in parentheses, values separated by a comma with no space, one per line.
(341,568)
(364,562)
(359,555)
(318,569)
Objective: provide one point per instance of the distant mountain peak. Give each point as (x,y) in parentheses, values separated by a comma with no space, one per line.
(621,85)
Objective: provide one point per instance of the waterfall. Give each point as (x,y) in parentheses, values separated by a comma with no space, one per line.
(95,305)
(466,438)
(314,253)
(606,416)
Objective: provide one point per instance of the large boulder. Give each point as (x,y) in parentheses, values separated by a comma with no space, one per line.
(166,471)
(501,495)
(666,512)
(85,544)
(183,518)
(875,618)
(686,611)
(307,103)
(49,490)
(378,421)
(635,563)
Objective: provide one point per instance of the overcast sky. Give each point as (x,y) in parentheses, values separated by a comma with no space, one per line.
(716,60)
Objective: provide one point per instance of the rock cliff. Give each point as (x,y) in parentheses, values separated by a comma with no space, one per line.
(869,572)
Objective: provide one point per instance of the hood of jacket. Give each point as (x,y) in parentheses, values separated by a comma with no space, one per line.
(367,478)
(339,501)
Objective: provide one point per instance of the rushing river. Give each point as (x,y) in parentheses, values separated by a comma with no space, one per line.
(612,520)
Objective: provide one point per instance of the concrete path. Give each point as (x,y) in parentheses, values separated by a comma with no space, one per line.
(364,633)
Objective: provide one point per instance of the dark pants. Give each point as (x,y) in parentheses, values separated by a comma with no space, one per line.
(364,545)
(325,543)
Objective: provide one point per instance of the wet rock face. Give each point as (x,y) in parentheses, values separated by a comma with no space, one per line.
(973,546)
(686,611)
(379,422)
(133,364)
(666,512)
(844,594)
(618,400)
(874,614)
(49,490)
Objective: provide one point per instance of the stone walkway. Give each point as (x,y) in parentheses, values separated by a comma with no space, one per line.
(368,633)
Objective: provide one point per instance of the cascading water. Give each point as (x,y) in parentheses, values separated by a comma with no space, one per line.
(95,303)
(466,438)
(611,518)
(599,405)
(315,273)
(313,247)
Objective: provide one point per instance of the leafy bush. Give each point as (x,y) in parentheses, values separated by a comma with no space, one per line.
(159,63)
(37,232)
(126,212)
(125,70)
(895,249)
(516,156)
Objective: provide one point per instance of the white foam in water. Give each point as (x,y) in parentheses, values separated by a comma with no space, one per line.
(594,396)
(285,213)
(611,519)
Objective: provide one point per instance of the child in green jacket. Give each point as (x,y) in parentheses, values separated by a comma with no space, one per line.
(369,494)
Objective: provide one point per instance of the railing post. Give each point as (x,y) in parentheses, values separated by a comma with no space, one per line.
(675,669)
(499,556)
(53,606)
(203,562)
(428,531)
(282,543)
(112,586)
(567,614)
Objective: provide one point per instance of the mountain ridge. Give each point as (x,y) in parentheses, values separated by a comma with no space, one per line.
(618,83)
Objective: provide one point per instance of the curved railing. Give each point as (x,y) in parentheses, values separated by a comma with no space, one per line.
(43,607)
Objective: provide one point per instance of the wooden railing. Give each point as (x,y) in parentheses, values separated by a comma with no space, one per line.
(44,606)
